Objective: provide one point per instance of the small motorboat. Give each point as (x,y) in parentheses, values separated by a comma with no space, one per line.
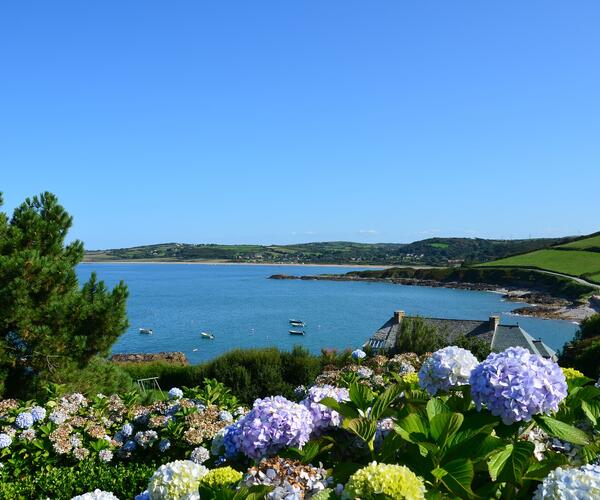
(296,332)
(146,331)
(206,335)
(297,323)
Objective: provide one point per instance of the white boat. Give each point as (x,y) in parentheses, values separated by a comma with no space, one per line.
(296,322)
(206,335)
(296,332)
(146,331)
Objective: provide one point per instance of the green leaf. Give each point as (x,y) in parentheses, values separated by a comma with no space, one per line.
(509,464)
(383,401)
(561,430)
(413,428)
(458,477)
(436,406)
(361,395)
(538,471)
(362,427)
(444,425)
(344,409)
(591,410)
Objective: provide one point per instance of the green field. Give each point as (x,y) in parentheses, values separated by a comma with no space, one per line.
(584,244)
(571,262)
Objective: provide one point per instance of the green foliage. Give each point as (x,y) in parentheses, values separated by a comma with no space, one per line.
(213,392)
(419,337)
(124,480)
(583,351)
(248,373)
(478,347)
(47,321)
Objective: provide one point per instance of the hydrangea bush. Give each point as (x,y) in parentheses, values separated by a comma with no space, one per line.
(385,428)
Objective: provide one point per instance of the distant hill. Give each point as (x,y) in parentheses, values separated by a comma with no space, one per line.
(432,252)
(579,257)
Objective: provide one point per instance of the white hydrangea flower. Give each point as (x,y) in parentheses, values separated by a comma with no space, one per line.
(96,495)
(175,393)
(570,484)
(446,368)
(176,480)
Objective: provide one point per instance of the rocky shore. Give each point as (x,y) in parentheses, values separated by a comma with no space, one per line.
(541,305)
(175,358)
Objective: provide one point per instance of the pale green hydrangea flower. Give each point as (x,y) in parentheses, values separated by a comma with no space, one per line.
(395,481)
(176,480)
(223,476)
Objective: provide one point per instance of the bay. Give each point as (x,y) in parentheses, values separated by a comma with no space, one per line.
(244,309)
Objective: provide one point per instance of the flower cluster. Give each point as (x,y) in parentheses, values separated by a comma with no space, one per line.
(96,495)
(176,480)
(290,478)
(175,393)
(515,385)
(449,367)
(377,480)
(567,484)
(359,354)
(322,416)
(272,424)
(221,477)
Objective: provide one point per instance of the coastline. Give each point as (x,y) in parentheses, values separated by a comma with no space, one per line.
(539,305)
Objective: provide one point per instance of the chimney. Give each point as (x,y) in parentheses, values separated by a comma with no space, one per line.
(398,315)
(494,322)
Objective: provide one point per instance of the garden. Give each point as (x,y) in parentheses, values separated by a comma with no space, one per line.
(441,425)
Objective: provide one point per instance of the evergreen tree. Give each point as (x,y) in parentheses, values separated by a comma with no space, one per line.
(49,324)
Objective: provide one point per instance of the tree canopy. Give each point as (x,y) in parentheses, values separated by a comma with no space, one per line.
(49,323)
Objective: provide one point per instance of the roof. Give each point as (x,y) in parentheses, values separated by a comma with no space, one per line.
(498,337)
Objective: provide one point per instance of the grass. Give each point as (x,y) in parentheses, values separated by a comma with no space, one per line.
(584,244)
(573,263)
(594,277)
(439,245)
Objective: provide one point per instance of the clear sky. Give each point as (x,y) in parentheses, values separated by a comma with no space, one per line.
(278,122)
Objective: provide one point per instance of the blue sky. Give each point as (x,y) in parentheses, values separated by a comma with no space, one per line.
(278,122)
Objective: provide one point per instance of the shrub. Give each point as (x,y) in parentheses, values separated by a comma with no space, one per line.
(419,337)
(66,482)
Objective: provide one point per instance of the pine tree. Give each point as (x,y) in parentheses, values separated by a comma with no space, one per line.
(49,323)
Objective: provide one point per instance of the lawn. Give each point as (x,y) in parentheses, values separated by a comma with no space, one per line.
(584,244)
(594,277)
(571,262)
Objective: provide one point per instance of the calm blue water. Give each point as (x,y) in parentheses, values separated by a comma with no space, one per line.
(245,309)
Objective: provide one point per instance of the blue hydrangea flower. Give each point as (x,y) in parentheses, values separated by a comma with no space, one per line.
(24,420)
(324,417)
(144,495)
(359,354)
(127,430)
(38,413)
(175,393)
(567,484)
(5,441)
(272,424)
(164,445)
(130,445)
(515,385)
(57,417)
(449,367)
(225,416)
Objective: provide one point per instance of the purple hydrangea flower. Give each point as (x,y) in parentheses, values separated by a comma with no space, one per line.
(324,417)
(38,413)
(272,424)
(5,441)
(175,393)
(24,420)
(515,385)
(446,368)
(359,354)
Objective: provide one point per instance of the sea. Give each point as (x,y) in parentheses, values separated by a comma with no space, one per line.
(242,308)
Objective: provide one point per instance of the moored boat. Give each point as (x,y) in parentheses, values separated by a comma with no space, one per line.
(146,331)
(206,335)
(297,323)
(296,332)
